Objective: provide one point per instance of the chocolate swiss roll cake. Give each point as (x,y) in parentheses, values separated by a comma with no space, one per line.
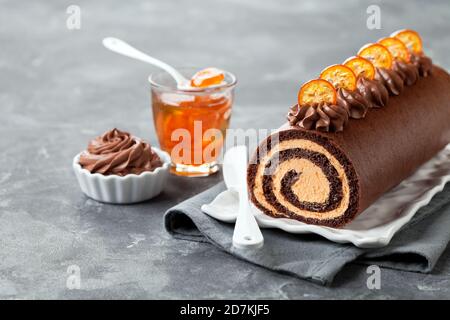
(327,177)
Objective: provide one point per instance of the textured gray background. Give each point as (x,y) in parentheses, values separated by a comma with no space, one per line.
(60,88)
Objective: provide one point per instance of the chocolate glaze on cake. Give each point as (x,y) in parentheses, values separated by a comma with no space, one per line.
(370,157)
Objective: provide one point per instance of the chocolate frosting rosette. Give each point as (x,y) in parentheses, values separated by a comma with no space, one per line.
(348,97)
(411,39)
(117,167)
(382,60)
(374,93)
(320,112)
(117,152)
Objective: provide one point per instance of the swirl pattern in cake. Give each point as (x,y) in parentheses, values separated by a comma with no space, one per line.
(299,175)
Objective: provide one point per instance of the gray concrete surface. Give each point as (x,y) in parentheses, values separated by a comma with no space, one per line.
(59,88)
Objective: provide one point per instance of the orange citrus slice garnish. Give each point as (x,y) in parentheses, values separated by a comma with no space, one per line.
(396,48)
(316,92)
(339,76)
(207,77)
(378,54)
(410,38)
(361,67)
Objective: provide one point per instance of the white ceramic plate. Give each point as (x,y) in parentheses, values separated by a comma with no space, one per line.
(374,227)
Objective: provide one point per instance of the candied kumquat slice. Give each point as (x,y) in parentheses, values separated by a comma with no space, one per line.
(361,67)
(339,76)
(316,92)
(207,77)
(396,48)
(410,38)
(378,54)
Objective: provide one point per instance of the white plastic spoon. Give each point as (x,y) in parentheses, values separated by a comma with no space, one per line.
(125,49)
(247,234)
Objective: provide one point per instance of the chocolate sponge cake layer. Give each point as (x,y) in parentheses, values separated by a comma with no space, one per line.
(328,178)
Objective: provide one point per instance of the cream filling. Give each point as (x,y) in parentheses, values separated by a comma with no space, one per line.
(312,185)
(311,176)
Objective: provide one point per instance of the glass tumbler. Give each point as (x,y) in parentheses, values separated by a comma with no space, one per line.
(191,123)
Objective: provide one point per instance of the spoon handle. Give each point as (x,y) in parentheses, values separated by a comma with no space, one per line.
(125,49)
(247,234)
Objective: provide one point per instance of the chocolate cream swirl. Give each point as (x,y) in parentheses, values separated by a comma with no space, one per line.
(321,117)
(354,102)
(407,71)
(423,63)
(390,79)
(373,91)
(118,153)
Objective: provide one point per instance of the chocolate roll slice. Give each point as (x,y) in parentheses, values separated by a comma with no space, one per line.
(328,178)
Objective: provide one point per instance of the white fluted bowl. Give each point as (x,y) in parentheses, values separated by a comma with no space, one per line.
(131,188)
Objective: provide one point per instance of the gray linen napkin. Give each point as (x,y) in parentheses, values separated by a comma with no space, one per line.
(416,247)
